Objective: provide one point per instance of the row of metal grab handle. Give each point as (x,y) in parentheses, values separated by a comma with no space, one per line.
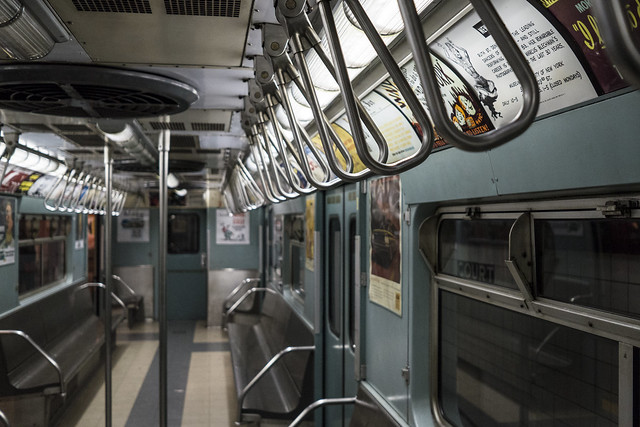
(275,70)
(78,191)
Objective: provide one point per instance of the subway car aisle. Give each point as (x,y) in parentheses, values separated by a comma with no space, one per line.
(201,391)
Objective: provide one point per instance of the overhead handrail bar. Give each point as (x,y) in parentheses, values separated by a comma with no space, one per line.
(263,372)
(321,403)
(40,350)
(301,31)
(614,27)
(4,419)
(514,57)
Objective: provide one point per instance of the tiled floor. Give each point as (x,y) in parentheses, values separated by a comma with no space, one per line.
(207,398)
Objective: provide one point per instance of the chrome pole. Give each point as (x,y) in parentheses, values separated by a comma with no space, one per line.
(163,170)
(108,225)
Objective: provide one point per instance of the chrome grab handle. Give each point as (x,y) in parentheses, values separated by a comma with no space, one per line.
(65,176)
(358,12)
(263,372)
(513,55)
(320,404)
(237,289)
(266,182)
(248,179)
(40,350)
(621,47)
(276,169)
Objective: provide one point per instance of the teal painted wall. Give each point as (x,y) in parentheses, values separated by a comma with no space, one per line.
(243,257)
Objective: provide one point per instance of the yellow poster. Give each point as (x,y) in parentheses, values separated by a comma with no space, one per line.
(309,220)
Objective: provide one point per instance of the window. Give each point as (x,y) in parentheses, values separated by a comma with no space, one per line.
(42,251)
(538,307)
(335,276)
(184,233)
(295,236)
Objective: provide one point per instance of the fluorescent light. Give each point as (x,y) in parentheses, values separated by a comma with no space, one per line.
(181,192)
(172,181)
(22,37)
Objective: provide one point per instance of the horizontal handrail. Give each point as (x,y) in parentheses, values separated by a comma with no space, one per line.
(102,286)
(240,300)
(270,364)
(514,57)
(320,404)
(123,283)
(621,46)
(40,350)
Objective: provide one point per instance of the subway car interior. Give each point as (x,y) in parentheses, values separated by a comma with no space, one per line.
(333,213)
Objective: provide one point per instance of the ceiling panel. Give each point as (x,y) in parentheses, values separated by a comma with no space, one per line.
(159,31)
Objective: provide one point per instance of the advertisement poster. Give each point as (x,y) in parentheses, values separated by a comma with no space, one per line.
(309,228)
(580,24)
(470,49)
(133,226)
(384,284)
(8,238)
(232,230)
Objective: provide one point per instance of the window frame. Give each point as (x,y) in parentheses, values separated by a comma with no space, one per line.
(623,329)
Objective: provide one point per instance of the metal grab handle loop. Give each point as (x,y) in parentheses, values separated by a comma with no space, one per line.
(262,170)
(261,139)
(514,57)
(621,47)
(390,64)
(299,134)
(244,175)
(71,200)
(276,168)
(40,350)
(4,419)
(284,146)
(232,294)
(354,110)
(47,198)
(103,287)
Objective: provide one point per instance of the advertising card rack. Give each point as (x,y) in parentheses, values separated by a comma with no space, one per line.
(513,55)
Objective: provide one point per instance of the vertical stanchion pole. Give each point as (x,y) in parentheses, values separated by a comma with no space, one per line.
(163,170)
(108,178)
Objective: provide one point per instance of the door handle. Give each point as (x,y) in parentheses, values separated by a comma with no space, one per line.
(203,260)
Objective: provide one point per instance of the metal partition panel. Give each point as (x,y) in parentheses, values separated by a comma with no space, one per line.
(220,283)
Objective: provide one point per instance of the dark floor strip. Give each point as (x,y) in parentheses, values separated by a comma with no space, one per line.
(211,346)
(138,336)
(145,411)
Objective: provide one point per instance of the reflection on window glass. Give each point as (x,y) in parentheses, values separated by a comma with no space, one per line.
(502,368)
(335,276)
(297,267)
(352,281)
(184,234)
(42,251)
(476,250)
(590,262)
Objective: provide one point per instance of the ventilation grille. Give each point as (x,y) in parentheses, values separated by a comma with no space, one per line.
(91,91)
(90,140)
(72,128)
(208,126)
(219,8)
(113,6)
(167,125)
(184,141)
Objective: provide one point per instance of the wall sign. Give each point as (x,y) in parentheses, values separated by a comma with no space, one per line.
(232,230)
(7,231)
